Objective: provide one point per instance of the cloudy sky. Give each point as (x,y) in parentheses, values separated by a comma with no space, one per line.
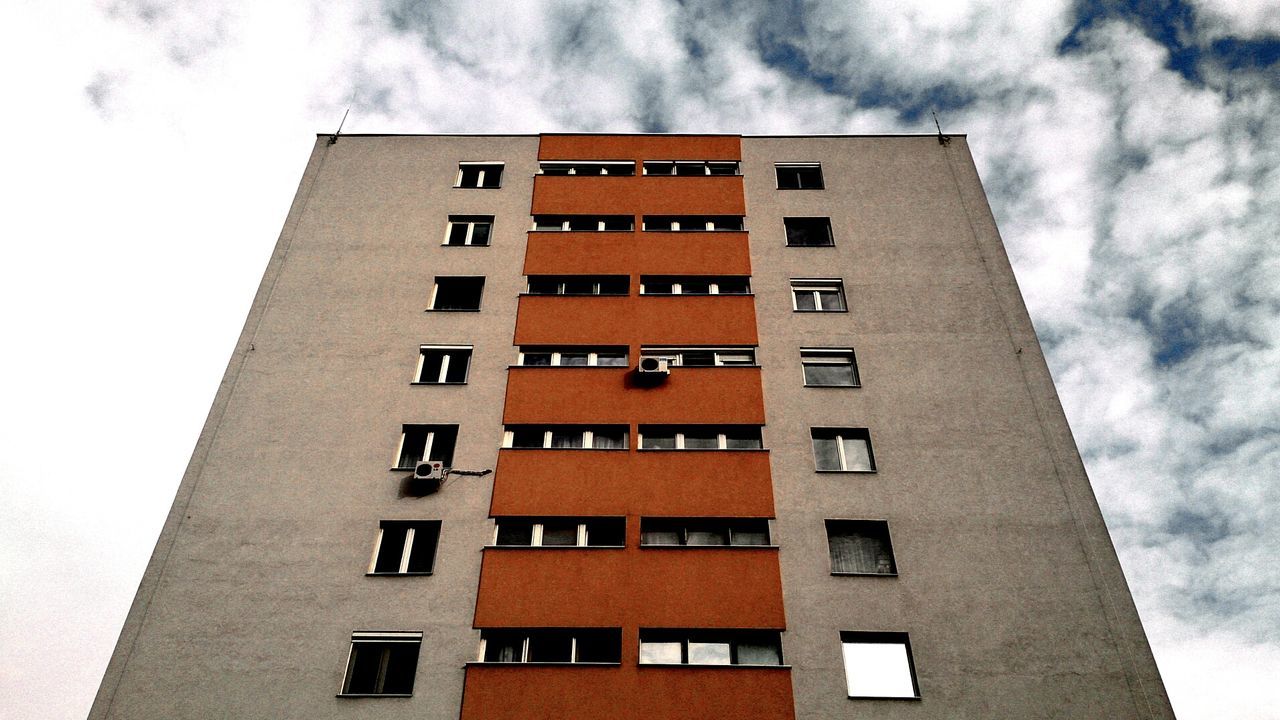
(1129,150)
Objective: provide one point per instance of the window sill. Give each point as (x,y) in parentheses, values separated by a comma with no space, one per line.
(697,294)
(565,448)
(410,469)
(554,547)
(862,574)
(847,472)
(529,294)
(883,697)
(810,246)
(578,367)
(832,386)
(481,663)
(468,187)
(713,667)
(699,230)
(709,547)
(374,695)
(397,574)
(718,450)
(789,189)
(464,246)
(452,310)
(819,312)
(438,383)
(549,230)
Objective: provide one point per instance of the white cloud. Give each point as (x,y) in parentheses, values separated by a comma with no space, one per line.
(155,157)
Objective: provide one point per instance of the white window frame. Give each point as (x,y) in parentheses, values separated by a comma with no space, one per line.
(593,358)
(471,228)
(457,183)
(573,165)
(378,637)
(435,291)
(677,288)
(426,448)
(588,440)
(405,552)
(600,221)
(707,225)
(840,451)
(798,165)
(444,364)
(722,442)
(833,356)
(706,167)
(675,355)
(536,537)
(816,286)
(899,639)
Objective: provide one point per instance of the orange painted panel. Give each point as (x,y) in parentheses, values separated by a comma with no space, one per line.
(638,195)
(640,147)
(509,692)
(633,320)
(569,253)
(587,394)
(670,587)
(727,483)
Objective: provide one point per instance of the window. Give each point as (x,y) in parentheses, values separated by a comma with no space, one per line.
(691,167)
(426,442)
(405,547)
(703,531)
(584,223)
(558,645)
(469,230)
(443,364)
(879,665)
(842,450)
(694,285)
(860,547)
(566,437)
(572,356)
(560,532)
(692,223)
(703,357)
(382,663)
(700,437)
(808,232)
(710,647)
(457,294)
(479,175)
(579,285)
(829,367)
(817,295)
(587,167)
(799,176)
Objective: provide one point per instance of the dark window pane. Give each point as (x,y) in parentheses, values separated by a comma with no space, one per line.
(661,532)
(422,555)
(515,532)
(537,358)
(658,222)
(446,436)
(458,233)
(580,286)
(458,362)
(615,285)
(691,169)
(658,287)
(470,176)
(480,233)
(492,176)
(402,665)
(740,438)
(733,286)
(758,651)
(618,223)
(391,549)
(366,667)
(830,374)
(750,532)
(551,647)
(431,362)
(599,646)
(831,299)
(659,168)
(805,299)
(725,168)
(609,438)
(560,532)
(548,222)
(555,169)
(575,358)
(528,437)
(612,358)
(707,533)
(858,546)
(606,531)
(566,438)
(503,647)
(458,293)
(697,358)
(727,222)
(701,439)
(825,453)
(808,232)
(583,224)
(695,286)
(544,286)
(659,441)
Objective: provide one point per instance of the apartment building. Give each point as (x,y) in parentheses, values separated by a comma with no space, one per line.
(635,426)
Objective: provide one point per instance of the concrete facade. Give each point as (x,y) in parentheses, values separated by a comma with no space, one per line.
(1006,580)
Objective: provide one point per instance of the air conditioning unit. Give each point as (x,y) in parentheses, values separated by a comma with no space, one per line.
(654,365)
(428,470)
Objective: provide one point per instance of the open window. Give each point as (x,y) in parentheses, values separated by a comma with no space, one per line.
(560,532)
(879,665)
(405,547)
(551,645)
(700,437)
(479,175)
(799,176)
(382,664)
(829,367)
(469,230)
(860,547)
(842,450)
(703,532)
(426,442)
(565,437)
(710,647)
(808,232)
(572,356)
(443,365)
(457,294)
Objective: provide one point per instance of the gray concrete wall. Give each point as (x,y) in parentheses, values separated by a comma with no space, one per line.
(250,599)
(1007,581)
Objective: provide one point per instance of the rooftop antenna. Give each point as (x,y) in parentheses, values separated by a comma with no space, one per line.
(333,139)
(942,139)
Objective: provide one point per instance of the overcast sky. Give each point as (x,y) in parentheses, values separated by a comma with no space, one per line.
(1130,156)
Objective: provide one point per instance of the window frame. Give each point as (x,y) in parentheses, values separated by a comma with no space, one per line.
(528,633)
(834,523)
(483,164)
(733,637)
(538,526)
(471,227)
(566,222)
(675,355)
(822,178)
(815,358)
(597,282)
(856,637)
(677,284)
(444,364)
(708,223)
(558,351)
(574,164)
(428,445)
(786,231)
(706,168)
(817,286)
(684,524)
(841,453)
(435,292)
(406,552)
(385,638)
(588,436)
(721,438)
